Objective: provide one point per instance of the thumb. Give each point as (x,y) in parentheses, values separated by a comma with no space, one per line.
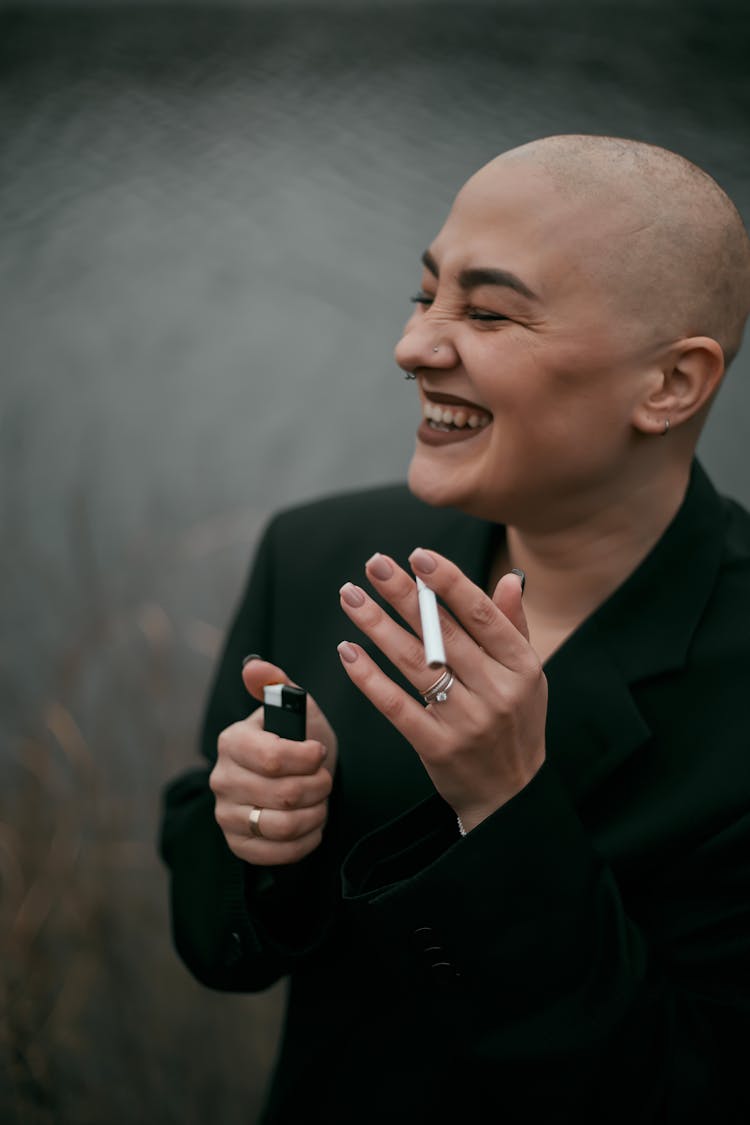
(508,597)
(257,672)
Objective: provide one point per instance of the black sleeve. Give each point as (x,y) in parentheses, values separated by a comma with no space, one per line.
(533,966)
(238,927)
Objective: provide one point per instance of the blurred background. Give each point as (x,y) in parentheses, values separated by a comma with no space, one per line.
(211,223)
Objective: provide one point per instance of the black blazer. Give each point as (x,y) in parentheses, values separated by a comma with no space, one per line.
(581,956)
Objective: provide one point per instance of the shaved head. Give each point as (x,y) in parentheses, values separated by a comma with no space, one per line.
(664,239)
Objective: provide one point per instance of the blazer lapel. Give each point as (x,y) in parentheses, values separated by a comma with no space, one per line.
(643,630)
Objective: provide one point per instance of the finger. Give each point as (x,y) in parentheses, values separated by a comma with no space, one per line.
(404,712)
(273,824)
(399,589)
(475,611)
(270,853)
(263,752)
(402,648)
(256,673)
(234,785)
(508,597)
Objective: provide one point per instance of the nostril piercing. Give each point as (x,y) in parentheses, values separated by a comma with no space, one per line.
(409,375)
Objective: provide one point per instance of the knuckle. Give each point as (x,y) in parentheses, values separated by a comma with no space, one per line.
(271,761)
(393,705)
(290,794)
(218,780)
(482,611)
(413,658)
(223,742)
(448,626)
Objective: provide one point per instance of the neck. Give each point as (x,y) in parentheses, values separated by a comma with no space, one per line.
(572,569)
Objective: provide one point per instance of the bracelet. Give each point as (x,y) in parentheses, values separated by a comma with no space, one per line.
(461,828)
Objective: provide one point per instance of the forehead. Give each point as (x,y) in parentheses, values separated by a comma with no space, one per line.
(511,215)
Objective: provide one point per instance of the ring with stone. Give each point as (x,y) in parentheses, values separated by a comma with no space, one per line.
(438,693)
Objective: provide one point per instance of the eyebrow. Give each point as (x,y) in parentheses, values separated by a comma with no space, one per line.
(481,275)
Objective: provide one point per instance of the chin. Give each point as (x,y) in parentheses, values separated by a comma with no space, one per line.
(432,485)
(438,487)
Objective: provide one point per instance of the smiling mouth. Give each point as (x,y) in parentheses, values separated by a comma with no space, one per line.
(447,419)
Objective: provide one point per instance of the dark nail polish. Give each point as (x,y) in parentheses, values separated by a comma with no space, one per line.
(251,656)
(521,575)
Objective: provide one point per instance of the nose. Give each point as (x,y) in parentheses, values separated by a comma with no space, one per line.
(423,345)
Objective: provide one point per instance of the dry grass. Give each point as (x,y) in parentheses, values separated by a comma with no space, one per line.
(98,1020)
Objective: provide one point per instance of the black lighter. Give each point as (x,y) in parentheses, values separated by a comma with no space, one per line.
(285,711)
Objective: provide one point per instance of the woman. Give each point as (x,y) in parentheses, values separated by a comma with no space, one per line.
(518,890)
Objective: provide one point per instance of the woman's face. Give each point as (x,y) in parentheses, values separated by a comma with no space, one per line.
(533,342)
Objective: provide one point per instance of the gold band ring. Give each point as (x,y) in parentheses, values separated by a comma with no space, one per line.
(255,822)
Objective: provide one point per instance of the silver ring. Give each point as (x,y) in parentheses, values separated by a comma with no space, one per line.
(255,822)
(438,693)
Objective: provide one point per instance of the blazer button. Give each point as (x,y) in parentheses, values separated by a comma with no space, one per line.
(422,938)
(233,950)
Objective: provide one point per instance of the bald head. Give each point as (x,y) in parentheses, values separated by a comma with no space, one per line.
(666,240)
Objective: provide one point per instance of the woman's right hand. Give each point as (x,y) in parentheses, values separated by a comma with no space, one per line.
(289,781)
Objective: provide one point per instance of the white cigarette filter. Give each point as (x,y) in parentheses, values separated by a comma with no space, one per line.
(432,637)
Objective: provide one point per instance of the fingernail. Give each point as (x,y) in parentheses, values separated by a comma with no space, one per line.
(251,656)
(422,561)
(521,575)
(379,567)
(347,652)
(352,595)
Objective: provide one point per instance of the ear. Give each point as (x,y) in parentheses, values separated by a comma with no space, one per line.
(685,380)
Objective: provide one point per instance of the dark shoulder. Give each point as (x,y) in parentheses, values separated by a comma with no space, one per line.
(737,536)
(723,633)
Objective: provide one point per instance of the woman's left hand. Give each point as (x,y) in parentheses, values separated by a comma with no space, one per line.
(486,741)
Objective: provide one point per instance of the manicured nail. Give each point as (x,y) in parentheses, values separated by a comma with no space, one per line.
(251,656)
(352,595)
(347,652)
(422,561)
(521,575)
(379,567)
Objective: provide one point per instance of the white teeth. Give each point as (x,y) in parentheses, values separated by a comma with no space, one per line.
(443,417)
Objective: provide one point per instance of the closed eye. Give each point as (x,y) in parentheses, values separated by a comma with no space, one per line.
(426,300)
(475,314)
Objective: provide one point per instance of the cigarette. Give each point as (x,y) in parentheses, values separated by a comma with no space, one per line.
(432,637)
